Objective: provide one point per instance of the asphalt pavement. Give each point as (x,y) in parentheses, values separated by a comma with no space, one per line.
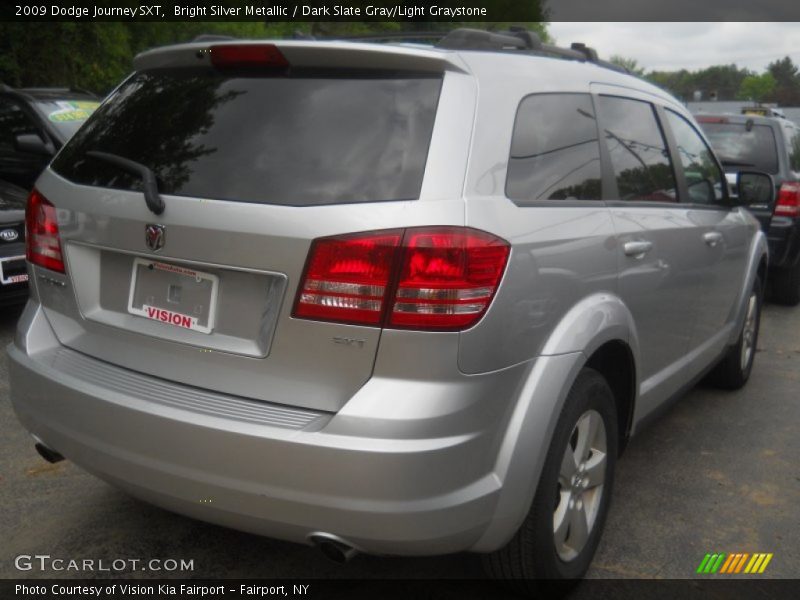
(717,473)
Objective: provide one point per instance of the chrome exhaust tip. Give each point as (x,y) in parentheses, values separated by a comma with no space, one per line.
(46,452)
(333,548)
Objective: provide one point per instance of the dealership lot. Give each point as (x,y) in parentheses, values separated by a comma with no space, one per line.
(718,473)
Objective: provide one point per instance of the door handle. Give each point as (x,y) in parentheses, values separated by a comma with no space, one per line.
(712,238)
(637,249)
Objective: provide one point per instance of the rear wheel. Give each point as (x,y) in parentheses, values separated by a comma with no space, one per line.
(734,369)
(560,534)
(786,285)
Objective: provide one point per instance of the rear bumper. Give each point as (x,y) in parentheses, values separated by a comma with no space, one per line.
(423,486)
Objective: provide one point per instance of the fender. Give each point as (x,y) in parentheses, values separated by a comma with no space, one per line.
(592,322)
(758,250)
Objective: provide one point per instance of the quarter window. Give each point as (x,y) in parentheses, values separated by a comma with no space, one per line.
(555,153)
(637,150)
(704,179)
(794,151)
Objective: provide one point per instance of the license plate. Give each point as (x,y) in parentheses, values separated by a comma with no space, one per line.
(13,270)
(173,295)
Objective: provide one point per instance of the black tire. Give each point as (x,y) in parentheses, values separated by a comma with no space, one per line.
(785,284)
(732,372)
(530,562)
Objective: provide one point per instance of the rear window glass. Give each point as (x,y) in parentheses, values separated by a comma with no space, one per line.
(743,145)
(66,115)
(794,151)
(555,152)
(308,139)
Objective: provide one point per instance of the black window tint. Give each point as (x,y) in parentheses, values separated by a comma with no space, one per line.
(66,115)
(743,145)
(637,149)
(306,139)
(20,168)
(794,151)
(555,153)
(704,179)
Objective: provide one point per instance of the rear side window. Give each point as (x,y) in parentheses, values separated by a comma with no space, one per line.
(704,180)
(743,145)
(637,150)
(794,151)
(555,153)
(308,139)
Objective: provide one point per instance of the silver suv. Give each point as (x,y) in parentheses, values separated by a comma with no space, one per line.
(394,299)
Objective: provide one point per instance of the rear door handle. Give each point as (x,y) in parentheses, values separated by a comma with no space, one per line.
(637,249)
(712,238)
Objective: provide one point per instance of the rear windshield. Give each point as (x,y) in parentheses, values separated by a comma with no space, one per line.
(66,115)
(308,139)
(740,145)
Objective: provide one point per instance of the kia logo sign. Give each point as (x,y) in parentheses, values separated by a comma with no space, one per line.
(154,236)
(9,235)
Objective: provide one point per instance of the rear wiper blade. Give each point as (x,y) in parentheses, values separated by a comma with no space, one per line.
(154,202)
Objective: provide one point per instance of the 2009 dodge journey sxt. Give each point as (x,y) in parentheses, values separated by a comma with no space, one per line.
(394,299)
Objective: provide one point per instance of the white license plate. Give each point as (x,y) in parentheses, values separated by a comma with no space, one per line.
(10,268)
(173,295)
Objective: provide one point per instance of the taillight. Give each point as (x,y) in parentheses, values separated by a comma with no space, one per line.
(448,277)
(788,204)
(42,240)
(346,278)
(235,56)
(431,278)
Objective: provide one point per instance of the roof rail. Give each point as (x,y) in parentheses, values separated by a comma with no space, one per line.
(213,37)
(519,38)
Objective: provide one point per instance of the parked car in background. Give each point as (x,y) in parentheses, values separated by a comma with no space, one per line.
(770,144)
(34,125)
(382,298)
(13,269)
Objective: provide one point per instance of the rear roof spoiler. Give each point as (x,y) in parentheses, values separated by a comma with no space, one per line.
(303,53)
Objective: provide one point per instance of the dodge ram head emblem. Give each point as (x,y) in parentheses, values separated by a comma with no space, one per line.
(154,236)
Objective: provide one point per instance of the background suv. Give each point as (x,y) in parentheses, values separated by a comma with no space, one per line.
(34,124)
(771,145)
(347,300)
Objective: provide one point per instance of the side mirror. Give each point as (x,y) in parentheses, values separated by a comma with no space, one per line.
(32,144)
(755,189)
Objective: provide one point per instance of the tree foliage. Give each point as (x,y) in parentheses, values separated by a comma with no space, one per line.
(631,64)
(757,88)
(780,83)
(722,81)
(787,82)
(96,55)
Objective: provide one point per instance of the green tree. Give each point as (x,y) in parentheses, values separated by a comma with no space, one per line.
(631,64)
(757,88)
(97,55)
(787,82)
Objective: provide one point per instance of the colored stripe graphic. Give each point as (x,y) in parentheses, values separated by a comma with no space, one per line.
(758,563)
(729,564)
(741,562)
(703,563)
(711,563)
(726,567)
